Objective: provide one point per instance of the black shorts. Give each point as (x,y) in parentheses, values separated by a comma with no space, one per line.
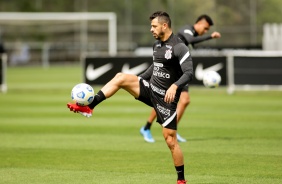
(166,113)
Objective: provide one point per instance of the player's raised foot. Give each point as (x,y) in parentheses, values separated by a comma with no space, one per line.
(179,138)
(83,110)
(181,182)
(147,135)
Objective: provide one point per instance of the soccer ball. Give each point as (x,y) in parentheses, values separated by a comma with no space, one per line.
(211,79)
(82,94)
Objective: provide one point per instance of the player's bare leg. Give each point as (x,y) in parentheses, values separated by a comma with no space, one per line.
(128,82)
(184,101)
(152,116)
(176,152)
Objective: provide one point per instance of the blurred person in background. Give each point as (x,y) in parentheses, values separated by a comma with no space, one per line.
(2,48)
(190,35)
(20,54)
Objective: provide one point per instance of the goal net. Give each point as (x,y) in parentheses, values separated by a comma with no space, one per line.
(33,37)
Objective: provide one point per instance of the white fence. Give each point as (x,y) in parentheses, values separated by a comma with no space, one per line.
(272,37)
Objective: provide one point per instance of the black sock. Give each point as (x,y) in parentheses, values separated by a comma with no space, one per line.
(148,126)
(98,98)
(180,172)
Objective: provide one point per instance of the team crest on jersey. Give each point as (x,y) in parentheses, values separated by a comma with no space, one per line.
(168,54)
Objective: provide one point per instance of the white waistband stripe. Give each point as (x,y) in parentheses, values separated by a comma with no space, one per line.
(169,120)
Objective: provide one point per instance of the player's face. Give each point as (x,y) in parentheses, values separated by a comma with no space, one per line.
(157,29)
(204,27)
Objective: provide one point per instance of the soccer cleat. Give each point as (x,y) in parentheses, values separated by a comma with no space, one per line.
(181,181)
(147,135)
(179,138)
(83,110)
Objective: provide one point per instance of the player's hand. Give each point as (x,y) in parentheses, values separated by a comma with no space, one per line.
(170,93)
(215,35)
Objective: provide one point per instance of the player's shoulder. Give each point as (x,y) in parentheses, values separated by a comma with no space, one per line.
(178,44)
(176,40)
(186,30)
(185,27)
(157,43)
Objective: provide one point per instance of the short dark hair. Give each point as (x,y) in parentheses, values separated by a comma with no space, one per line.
(206,17)
(162,17)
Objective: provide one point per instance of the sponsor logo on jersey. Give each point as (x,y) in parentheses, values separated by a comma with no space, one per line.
(158,64)
(168,54)
(158,73)
(161,74)
(157,90)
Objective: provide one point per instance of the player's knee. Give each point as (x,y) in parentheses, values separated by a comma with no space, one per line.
(185,102)
(120,78)
(170,142)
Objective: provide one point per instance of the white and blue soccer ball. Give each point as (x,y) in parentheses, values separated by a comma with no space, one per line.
(211,79)
(82,94)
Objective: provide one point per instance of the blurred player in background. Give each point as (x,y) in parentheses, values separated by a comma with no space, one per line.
(159,86)
(190,35)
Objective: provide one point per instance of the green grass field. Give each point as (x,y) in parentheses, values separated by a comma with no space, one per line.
(231,138)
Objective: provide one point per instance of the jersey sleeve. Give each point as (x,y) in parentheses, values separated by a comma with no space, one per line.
(186,64)
(189,37)
(198,39)
(148,73)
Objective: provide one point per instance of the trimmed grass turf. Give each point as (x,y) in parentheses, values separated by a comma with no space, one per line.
(231,138)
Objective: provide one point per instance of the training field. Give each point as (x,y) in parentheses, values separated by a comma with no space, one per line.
(231,138)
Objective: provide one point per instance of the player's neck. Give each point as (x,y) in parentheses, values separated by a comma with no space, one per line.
(166,36)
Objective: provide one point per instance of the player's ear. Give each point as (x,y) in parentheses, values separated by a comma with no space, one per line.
(165,26)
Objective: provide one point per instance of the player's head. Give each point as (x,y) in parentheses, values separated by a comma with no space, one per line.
(160,24)
(203,24)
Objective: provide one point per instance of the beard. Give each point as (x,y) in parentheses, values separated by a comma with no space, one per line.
(159,36)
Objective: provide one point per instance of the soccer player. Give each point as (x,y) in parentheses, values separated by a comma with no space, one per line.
(159,86)
(190,35)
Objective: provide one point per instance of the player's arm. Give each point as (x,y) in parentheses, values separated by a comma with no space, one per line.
(193,40)
(186,63)
(190,38)
(185,60)
(215,34)
(148,73)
